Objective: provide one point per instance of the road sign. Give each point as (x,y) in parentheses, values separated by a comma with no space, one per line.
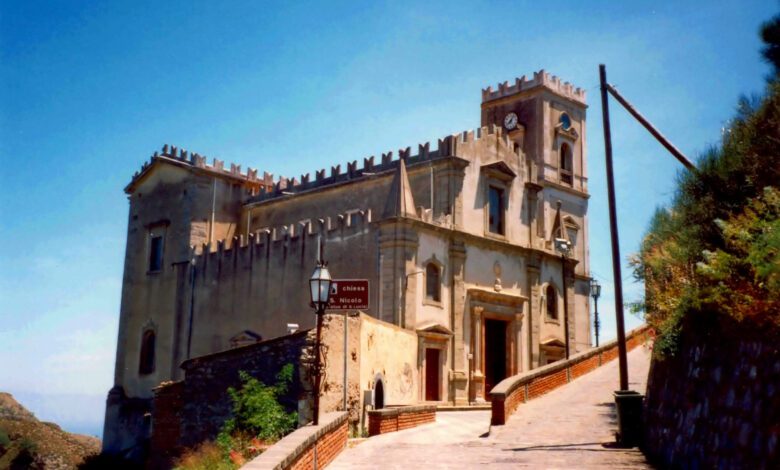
(348,294)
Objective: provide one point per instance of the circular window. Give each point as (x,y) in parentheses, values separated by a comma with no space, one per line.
(565,121)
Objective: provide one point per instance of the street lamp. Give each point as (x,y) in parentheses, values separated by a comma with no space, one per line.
(563,246)
(319,284)
(595,292)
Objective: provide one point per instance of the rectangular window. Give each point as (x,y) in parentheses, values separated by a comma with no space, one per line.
(156,253)
(496,210)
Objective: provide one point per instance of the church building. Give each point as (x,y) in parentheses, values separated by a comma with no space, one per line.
(475,245)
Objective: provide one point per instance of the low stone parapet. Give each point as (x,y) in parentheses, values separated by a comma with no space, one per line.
(398,418)
(518,389)
(309,447)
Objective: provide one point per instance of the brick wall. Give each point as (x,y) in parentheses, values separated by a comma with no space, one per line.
(326,449)
(715,403)
(587,365)
(300,449)
(396,419)
(508,395)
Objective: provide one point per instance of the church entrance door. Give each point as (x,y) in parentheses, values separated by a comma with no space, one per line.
(495,353)
(432,374)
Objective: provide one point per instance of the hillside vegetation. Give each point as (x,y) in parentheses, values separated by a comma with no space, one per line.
(26,442)
(715,251)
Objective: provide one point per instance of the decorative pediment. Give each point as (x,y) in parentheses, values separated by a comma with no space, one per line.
(245,338)
(499,170)
(435,328)
(569,134)
(553,342)
(569,222)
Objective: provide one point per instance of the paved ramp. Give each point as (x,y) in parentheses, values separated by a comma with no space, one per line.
(567,428)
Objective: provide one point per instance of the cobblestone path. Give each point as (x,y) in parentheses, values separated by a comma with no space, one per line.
(567,428)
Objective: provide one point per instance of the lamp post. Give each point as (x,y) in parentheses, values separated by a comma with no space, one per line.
(319,284)
(595,292)
(563,246)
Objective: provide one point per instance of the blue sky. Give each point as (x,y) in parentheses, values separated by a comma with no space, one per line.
(88,90)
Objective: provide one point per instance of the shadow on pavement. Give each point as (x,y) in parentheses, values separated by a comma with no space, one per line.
(578,446)
(610,412)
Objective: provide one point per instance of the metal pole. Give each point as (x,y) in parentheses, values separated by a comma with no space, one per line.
(565,303)
(658,136)
(346,326)
(596,321)
(317,367)
(613,229)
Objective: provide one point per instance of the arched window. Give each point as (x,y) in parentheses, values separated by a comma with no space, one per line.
(146,361)
(567,167)
(432,282)
(552,303)
(565,121)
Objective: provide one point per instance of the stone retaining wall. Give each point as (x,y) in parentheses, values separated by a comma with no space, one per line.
(512,391)
(716,402)
(396,419)
(306,448)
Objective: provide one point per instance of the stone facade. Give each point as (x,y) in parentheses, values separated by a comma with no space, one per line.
(457,242)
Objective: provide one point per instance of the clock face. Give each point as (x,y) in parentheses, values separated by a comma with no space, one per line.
(510,121)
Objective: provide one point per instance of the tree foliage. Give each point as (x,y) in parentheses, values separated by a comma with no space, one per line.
(716,249)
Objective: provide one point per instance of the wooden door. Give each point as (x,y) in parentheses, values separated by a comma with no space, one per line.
(495,353)
(432,374)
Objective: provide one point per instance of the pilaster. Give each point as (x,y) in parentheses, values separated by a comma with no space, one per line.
(459,373)
(571,301)
(534,312)
(477,377)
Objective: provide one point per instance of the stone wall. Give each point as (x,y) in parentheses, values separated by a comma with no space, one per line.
(191,411)
(206,404)
(716,402)
(513,391)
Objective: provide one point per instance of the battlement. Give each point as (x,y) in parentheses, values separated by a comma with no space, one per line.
(446,147)
(274,241)
(196,160)
(540,78)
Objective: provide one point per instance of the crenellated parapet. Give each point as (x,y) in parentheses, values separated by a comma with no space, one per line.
(446,147)
(195,160)
(276,242)
(540,79)
(329,226)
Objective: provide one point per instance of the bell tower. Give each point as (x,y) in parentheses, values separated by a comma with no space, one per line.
(546,119)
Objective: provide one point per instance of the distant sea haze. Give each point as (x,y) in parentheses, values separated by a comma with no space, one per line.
(76,413)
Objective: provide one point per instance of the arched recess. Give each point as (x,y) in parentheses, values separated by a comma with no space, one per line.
(146,358)
(379,392)
(551,302)
(434,272)
(566,164)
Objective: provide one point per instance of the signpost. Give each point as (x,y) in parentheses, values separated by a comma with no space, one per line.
(348,294)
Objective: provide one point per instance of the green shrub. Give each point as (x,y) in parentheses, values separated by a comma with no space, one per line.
(258,417)
(256,409)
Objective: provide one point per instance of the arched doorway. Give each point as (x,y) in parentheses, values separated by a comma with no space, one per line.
(379,395)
